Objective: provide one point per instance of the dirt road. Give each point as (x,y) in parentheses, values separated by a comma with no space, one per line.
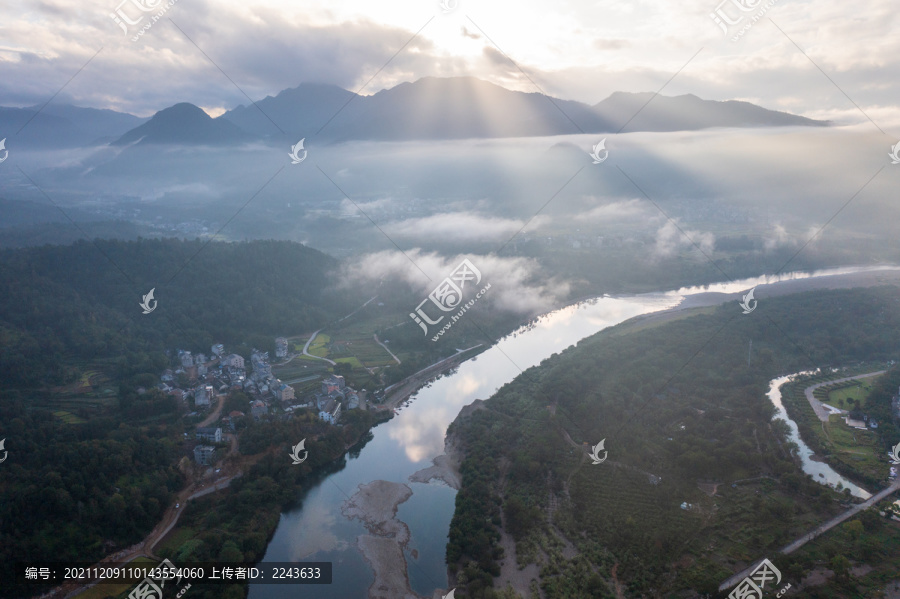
(214,415)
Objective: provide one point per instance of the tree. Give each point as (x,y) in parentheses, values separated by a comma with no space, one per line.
(841,567)
(230,553)
(854,528)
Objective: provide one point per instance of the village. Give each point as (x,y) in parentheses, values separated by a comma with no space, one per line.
(200,382)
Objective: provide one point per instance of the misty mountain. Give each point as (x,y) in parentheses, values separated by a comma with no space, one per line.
(62,125)
(185,124)
(688,112)
(303,109)
(466,107)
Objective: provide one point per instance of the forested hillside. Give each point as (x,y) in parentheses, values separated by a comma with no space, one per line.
(60,304)
(680,410)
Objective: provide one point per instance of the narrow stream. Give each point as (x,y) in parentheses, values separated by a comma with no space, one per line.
(820,471)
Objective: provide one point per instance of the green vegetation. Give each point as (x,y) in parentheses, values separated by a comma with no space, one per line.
(318,346)
(62,304)
(859,454)
(863,553)
(677,402)
(102,591)
(237,523)
(68,492)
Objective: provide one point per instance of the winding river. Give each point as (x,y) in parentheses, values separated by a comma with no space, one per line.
(820,471)
(318,531)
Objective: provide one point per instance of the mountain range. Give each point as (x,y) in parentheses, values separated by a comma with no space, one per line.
(428,109)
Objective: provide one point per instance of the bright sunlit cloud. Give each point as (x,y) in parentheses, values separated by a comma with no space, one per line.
(573,50)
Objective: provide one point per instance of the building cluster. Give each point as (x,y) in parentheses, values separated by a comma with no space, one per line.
(334,396)
(211,377)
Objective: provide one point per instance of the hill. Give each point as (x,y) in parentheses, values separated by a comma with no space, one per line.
(698,480)
(63,125)
(183,123)
(61,305)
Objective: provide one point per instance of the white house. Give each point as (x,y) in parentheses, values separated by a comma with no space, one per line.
(233,360)
(209,433)
(331,412)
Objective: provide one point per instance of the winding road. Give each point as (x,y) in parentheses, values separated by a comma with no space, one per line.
(310,340)
(820,410)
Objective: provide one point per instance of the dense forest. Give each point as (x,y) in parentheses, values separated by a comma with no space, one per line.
(74,493)
(678,405)
(81,302)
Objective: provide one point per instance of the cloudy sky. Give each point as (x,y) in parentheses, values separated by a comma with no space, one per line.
(213,52)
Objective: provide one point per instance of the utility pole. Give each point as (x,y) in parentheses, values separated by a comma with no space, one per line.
(748,353)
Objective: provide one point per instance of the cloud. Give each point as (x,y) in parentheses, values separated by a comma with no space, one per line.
(470,35)
(459,227)
(582,50)
(778,238)
(517,284)
(671,238)
(617,211)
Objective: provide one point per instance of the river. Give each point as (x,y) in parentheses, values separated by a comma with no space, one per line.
(820,471)
(318,531)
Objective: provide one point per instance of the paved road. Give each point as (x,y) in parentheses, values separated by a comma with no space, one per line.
(845,516)
(821,411)
(396,359)
(306,349)
(793,546)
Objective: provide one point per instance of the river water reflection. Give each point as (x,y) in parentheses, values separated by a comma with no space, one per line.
(318,531)
(820,471)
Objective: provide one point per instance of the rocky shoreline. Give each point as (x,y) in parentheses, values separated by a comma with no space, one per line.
(375,505)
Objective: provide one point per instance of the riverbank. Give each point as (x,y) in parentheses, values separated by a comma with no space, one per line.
(399,392)
(695,302)
(445,467)
(375,505)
